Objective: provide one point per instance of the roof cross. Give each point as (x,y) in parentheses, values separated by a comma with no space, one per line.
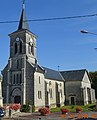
(23,4)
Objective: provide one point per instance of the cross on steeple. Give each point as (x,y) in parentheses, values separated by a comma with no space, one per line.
(23,4)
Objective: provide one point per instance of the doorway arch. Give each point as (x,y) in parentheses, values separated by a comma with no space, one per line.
(17,99)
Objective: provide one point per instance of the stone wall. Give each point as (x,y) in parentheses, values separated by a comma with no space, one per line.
(4,83)
(72,88)
(29,84)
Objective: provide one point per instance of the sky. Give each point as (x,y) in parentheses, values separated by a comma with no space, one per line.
(59,43)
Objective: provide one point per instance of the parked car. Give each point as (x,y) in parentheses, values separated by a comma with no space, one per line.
(1,113)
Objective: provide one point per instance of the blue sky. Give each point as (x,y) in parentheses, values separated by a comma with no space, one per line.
(59,42)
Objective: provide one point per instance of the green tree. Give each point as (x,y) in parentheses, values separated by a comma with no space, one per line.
(93,76)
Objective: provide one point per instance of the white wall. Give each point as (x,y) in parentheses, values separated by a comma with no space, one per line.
(53,86)
(39,87)
(85,81)
(85,84)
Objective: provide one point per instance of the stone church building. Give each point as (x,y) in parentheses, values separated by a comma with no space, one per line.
(24,80)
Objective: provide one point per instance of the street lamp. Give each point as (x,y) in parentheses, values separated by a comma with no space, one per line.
(87,32)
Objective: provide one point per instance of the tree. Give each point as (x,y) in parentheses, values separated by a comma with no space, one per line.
(93,76)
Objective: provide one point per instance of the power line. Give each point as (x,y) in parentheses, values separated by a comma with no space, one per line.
(52,19)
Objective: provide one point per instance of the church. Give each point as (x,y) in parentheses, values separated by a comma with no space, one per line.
(27,82)
(24,80)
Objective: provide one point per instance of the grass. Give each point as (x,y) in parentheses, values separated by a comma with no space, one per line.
(72,108)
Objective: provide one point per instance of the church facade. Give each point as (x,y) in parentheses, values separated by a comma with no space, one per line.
(24,80)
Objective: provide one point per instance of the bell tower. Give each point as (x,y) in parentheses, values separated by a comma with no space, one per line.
(23,41)
(22,56)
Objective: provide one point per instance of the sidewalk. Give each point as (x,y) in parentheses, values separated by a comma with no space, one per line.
(16,115)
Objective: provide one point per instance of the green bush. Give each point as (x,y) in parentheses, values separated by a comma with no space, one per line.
(72,106)
(33,108)
(25,108)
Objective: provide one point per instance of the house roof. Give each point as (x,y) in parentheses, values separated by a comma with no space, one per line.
(73,75)
(53,74)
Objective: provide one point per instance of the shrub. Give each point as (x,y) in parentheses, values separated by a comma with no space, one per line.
(33,108)
(44,110)
(79,109)
(15,106)
(72,106)
(25,108)
(65,111)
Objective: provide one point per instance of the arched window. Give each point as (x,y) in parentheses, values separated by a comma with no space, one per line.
(20,46)
(29,48)
(17,80)
(16,48)
(20,78)
(17,64)
(39,79)
(14,79)
(32,49)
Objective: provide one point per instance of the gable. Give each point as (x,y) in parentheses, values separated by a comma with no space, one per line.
(86,78)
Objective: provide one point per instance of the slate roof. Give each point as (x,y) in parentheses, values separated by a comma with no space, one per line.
(23,24)
(73,75)
(39,69)
(52,74)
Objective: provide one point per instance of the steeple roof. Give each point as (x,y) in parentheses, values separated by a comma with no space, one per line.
(23,23)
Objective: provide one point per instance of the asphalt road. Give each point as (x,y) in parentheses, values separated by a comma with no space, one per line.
(54,116)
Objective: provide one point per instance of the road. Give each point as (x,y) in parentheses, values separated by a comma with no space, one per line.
(54,116)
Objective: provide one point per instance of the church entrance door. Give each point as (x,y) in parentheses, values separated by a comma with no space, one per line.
(17,99)
(72,101)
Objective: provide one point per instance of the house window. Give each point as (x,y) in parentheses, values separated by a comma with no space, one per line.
(39,79)
(39,95)
(16,48)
